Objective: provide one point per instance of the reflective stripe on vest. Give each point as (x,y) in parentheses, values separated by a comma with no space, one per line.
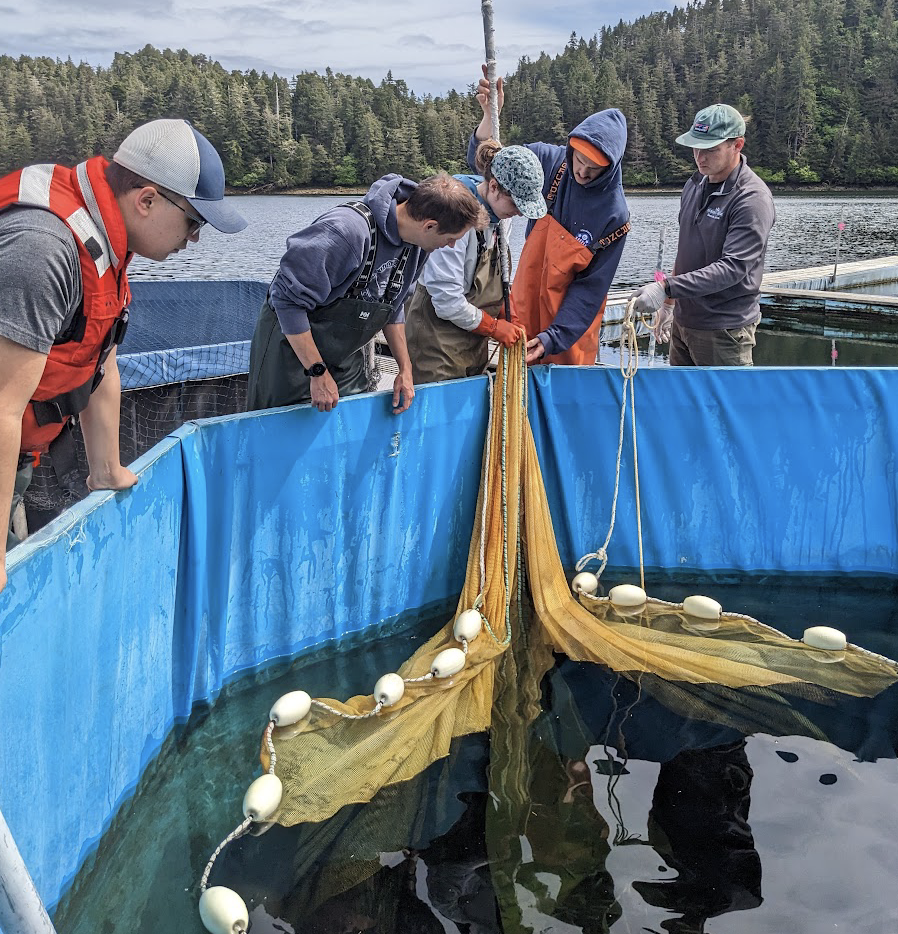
(82,199)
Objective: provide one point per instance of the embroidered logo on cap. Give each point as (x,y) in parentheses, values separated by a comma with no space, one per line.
(701,128)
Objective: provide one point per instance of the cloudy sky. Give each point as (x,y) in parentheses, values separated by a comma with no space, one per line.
(434,45)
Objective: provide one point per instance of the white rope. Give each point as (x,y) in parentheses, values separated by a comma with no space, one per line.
(350,716)
(629,366)
(268,742)
(235,834)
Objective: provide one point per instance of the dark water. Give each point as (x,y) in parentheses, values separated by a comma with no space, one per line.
(639,820)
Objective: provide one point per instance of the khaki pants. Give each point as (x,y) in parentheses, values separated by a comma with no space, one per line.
(691,347)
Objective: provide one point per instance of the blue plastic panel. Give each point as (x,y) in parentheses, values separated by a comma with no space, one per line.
(252,536)
(739,469)
(247,538)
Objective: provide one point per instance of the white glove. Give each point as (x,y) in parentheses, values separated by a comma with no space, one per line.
(649,298)
(662,324)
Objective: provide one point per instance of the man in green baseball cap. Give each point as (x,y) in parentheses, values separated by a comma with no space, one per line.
(709,307)
(714,125)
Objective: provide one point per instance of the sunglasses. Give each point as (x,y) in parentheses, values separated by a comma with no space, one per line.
(195,223)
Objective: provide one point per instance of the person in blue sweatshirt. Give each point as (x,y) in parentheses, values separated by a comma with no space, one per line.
(571,255)
(343,279)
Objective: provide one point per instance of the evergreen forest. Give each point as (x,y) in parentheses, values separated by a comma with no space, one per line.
(819,79)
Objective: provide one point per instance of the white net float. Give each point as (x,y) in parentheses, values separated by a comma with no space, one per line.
(389,689)
(263,798)
(627,596)
(223,911)
(467,626)
(448,663)
(702,607)
(825,637)
(290,708)
(585,582)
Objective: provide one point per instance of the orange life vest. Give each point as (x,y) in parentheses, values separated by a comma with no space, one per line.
(83,200)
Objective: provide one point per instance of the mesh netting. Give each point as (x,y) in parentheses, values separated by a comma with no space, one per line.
(185,355)
(735,670)
(147,416)
(732,672)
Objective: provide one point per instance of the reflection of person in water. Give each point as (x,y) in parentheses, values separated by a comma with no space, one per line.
(698,821)
(459,884)
(699,825)
(568,838)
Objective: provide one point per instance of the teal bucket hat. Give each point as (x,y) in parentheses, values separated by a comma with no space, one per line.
(712,126)
(519,171)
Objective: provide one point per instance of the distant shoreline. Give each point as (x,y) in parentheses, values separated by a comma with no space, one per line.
(776,189)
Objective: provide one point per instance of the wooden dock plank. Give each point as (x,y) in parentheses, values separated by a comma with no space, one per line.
(820,272)
(856,298)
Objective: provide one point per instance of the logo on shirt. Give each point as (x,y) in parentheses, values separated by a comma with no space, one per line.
(364,314)
(715,213)
(585,237)
(377,284)
(701,128)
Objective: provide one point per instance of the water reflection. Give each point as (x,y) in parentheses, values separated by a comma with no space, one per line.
(798,333)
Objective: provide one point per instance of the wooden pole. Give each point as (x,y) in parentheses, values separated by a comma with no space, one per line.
(489,41)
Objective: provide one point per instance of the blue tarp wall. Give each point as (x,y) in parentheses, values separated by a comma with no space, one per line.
(250,537)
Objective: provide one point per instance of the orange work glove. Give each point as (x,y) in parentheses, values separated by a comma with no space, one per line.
(499,330)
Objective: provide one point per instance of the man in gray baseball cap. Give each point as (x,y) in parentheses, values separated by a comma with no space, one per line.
(66,238)
(709,307)
(174,155)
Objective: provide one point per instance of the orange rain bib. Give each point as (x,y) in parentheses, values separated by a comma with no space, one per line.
(551,257)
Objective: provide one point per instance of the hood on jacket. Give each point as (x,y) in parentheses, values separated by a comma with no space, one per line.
(382,198)
(607,130)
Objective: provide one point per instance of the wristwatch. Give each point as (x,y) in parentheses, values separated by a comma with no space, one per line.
(667,287)
(316,369)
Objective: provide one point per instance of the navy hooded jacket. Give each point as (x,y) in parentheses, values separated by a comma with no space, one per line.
(323,260)
(589,212)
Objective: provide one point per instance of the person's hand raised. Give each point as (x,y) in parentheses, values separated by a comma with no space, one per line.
(483,92)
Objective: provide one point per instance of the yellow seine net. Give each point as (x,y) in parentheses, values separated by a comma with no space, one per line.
(739,674)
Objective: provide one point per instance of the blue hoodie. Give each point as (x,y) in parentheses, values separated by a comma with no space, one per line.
(589,212)
(323,260)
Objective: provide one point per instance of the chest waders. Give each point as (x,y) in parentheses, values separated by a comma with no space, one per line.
(551,259)
(440,349)
(340,330)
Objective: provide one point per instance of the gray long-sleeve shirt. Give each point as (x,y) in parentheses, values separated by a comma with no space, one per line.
(721,249)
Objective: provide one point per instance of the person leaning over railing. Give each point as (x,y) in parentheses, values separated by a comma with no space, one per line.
(66,238)
(459,303)
(343,279)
